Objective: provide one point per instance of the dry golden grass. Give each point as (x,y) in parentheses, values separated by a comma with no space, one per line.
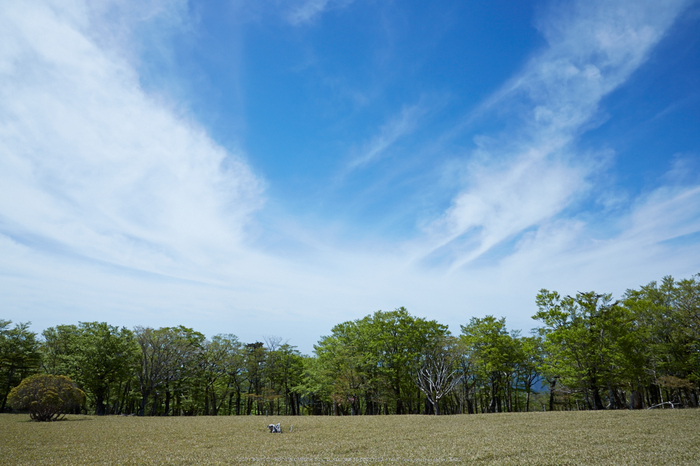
(619,437)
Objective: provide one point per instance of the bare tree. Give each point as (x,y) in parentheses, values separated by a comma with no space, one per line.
(273,342)
(438,375)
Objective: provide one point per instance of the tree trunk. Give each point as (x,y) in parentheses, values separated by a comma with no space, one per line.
(123,400)
(100,403)
(636,400)
(167,401)
(155,404)
(527,402)
(552,384)
(597,401)
(399,401)
(144,400)
(8,387)
(510,396)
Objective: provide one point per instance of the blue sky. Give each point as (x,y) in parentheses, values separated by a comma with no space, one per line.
(272,168)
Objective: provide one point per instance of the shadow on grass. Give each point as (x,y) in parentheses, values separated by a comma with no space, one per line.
(72,418)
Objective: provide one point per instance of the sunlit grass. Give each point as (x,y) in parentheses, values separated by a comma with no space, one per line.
(619,437)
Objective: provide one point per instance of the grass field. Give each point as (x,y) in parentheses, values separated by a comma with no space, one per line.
(614,437)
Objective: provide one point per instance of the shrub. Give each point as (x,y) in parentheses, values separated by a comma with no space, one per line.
(47,397)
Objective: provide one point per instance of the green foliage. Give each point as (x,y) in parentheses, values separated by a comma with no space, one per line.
(373,361)
(316,385)
(108,357)
(168,361)
(589,341)
(604,351)
(530,366)
(19,356)
(61,350)
(46,397)
(592,351)
(219,371)
(667,318)
(495,353)
(255,355)
(285,371)
(99,357)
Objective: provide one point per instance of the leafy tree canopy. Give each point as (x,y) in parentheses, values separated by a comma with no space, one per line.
(47,397)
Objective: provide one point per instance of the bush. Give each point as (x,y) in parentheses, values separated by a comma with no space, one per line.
(47,397)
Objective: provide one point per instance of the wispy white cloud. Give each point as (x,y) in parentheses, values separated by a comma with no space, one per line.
(117,206)
(294,12)
(122,25)
(396,128)
(306,10)
(527,176)
(93,164)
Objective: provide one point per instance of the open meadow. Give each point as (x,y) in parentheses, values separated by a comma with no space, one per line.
(610,437)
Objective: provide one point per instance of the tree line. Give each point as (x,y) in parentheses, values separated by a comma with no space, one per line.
(589,352)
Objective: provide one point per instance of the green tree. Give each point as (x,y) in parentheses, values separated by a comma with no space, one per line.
(19,356)
(108,356)
(469,378)
(376,359)
(493,351)
(589,341)
(401,339)
(235,373)
(285,370)
(220,362)
(667,319)
(99,357)
(530,364)
(315,388)
(344,369)
(60,350)
(166,358)
(255,358)
(47,397)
